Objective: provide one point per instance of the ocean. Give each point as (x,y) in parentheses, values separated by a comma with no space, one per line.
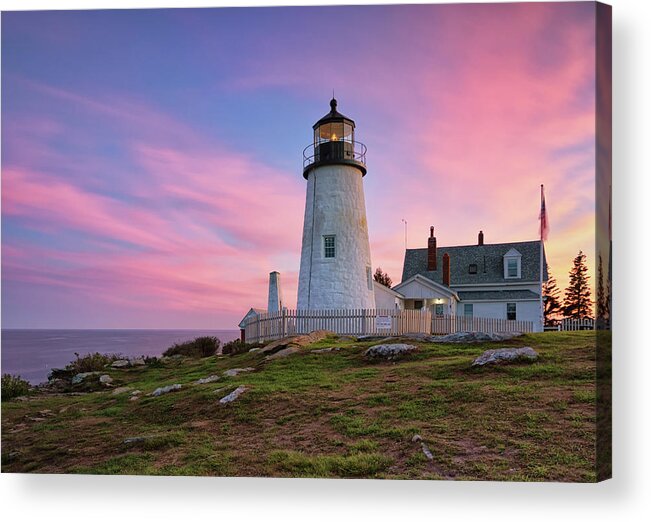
(32,353)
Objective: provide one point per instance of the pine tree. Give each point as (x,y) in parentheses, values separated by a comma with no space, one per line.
(578,302)
(552,299)
(382,277)
(602,305)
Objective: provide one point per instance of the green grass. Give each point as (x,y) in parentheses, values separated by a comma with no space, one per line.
(331,414)
(296,464)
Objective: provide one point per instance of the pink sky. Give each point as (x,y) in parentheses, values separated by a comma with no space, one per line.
(142,192)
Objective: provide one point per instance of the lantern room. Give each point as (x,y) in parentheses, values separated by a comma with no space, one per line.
(334,143)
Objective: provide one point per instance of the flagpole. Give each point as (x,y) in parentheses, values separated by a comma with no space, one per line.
(542,305)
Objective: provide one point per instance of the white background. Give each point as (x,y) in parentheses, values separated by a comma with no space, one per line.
(625,497)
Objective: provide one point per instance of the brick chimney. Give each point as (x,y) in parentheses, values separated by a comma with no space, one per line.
(446,269)
(480,238)
(431,250)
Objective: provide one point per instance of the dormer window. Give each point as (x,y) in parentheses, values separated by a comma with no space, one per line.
(512,267)
(512,264)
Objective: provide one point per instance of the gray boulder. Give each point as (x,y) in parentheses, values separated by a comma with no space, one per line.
(389,351)
(165,389)
(81,377)
(474,337)
(105,379)
(120,363)
(233,395)
(506,355)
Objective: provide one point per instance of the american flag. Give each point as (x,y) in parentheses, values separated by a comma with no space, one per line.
(544,223)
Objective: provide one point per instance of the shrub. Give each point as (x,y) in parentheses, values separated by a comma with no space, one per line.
(92,362)
(13,386)
(153,362)
(199,347)
(237,346)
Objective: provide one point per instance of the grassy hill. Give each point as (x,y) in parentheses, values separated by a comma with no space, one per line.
(327,414)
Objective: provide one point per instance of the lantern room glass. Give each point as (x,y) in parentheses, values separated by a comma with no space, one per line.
(334,131)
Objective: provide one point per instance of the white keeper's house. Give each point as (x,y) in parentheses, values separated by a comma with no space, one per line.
(499,280)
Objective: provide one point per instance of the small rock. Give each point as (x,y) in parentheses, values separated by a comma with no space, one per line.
(234,371)
(10,457)
(134,397)
(136,392)
(233,395)
(165,389)
(416,438)
(506,355)
(254,350)
(46,413)
(105,379)
(325,350)
(133,440)
(120,363)
(389,351)
(138,361)
(211,378)
(426,451)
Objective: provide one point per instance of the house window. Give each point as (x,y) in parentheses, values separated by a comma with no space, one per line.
(512,264)
(512,267)
(328,246)
(472,269)
(418,305)
(369,277)
(438,309)
(511,311)
(467,310)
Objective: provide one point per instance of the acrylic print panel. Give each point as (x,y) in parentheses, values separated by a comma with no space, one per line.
(340,242)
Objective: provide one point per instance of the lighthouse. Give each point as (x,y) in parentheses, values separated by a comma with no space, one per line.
(335,268)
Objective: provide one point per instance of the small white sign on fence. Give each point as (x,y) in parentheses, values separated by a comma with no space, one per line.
(383,322)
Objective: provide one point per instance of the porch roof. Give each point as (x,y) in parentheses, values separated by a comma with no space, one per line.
(427,283)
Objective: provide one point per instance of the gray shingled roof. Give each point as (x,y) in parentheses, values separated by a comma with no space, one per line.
(498,295)
(488,258)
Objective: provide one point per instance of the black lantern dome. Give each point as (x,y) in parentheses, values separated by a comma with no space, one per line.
(334,143)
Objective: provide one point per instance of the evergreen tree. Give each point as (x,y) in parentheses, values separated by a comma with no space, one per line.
(578,302)
(382,277)
(602,304)
(552,299)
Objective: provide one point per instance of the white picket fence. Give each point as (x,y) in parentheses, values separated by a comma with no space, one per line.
(571,325)
(390,322)
(444,324)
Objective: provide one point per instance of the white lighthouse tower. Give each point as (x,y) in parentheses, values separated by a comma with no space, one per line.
(336,268)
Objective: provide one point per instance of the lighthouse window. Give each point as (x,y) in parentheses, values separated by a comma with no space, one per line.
(329,246)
